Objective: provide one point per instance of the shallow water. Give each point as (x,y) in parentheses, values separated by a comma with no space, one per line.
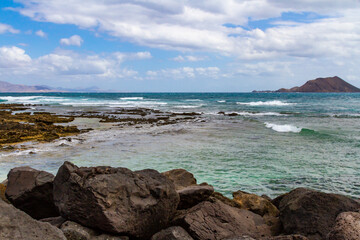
(276,143)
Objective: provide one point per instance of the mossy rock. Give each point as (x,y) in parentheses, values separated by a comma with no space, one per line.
(2,192)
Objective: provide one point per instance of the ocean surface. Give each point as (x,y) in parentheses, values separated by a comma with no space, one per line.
(277,141)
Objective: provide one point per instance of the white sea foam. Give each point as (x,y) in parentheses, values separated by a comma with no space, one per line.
(189,106)
(131,98)
(283,128)
(193,100)
(260,114)
(221,101)
(267,103)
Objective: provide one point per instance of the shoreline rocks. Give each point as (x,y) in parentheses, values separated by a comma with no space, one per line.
(98,203)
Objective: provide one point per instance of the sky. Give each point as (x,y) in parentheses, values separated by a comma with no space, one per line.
(178,45)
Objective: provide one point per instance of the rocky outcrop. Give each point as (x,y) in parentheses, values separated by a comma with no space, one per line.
(226,200)
(15,224)
(216,220)
(55,221)
(347,226)
(74,231)
(31,191)
(312,213)
(192,195)
(116,200)
(172,233)
(329,84)
(2,192)
(180,177)
(255,204)
(286,237)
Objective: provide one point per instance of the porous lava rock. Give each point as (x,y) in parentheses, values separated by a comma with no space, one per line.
(180,177)
(192,195)
(172,233)
(116,200)
(31,191)
(347,226)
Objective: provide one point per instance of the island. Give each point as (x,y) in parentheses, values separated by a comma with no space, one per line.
(329,84)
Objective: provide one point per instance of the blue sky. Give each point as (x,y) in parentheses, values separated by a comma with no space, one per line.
(167,45)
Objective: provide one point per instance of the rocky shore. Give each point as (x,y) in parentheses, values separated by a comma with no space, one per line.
(98,203)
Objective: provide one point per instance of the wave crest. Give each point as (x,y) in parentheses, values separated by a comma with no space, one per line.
(267,103)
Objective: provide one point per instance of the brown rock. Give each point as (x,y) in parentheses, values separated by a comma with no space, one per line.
(15,224)
(74,231)
(216,220)
(286,237)
(172,233)
(192,195)
(2,192)
(116,200)
(55,221)
(222,198)
(180,177)
(31,191)
(347,226)
(255,204)
(312,213)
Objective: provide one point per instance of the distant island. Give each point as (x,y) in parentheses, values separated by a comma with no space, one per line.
(19,88)
(329,84)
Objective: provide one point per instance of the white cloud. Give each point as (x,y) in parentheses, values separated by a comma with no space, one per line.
(40,33)
(75,40)
(13,57)
(7,28)
(189,58)
(199,25)
(184,72)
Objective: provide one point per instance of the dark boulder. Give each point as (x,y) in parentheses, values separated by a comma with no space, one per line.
(312,213)
(192,195)
(180,177)
(31,191)
(172,233)
(216,220)
(116,200)
(226,200)
(347,226)
(74,231)
(15,224)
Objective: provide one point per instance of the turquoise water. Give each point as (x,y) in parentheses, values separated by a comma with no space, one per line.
(277,141)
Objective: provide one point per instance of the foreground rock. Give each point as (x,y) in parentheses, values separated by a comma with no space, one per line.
(311,213)
(31,191)
(115,200)
(180,177)
(192,195)
(15,224)
(172,233)
(2,192)
(74,231)
(347,226)
(216,220)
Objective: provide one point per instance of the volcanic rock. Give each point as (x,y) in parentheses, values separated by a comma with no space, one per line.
(15,224)
(74,231)
(31,191)
(329,84)
(180,177)
(55,221)
(347,226)
(312,213)
(216,220)
(192,195)
(172,233)
(116,200)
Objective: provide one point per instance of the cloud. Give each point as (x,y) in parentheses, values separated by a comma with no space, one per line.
(199,25)
(7,28)
(189,58)
(75,40)
(184,72)
(13,57)
(40,33)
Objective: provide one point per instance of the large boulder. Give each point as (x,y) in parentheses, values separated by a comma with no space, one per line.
(286,237)
(31,191)
(255,203)
(74,231)
(216,220)
(15,224)
(180,177)
(172,233)
(192,195)
(55,221)
(347,226)
(116,200)
(312,213)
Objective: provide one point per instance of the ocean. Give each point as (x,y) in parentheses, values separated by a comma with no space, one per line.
(271,143)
